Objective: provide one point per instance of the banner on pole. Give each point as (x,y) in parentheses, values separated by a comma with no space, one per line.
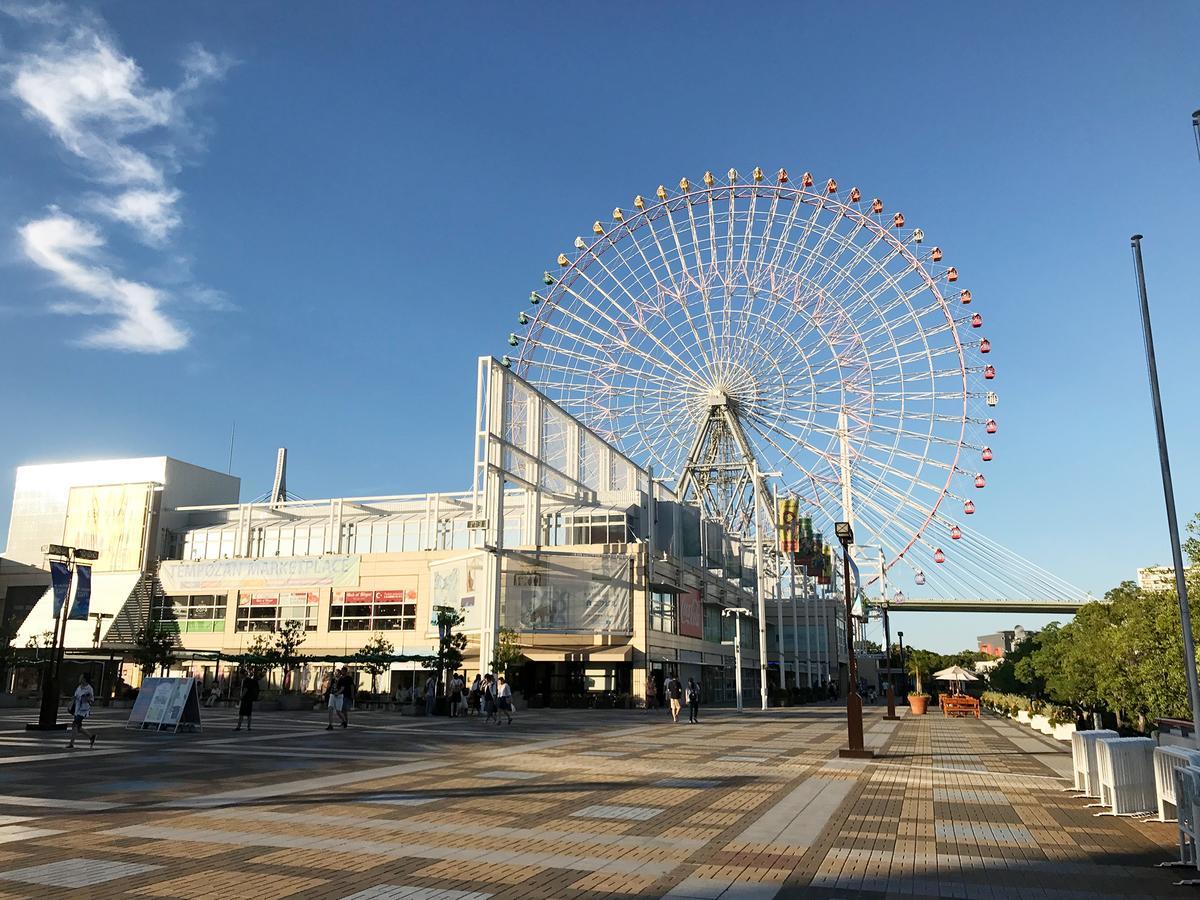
(81,605)
(60,579)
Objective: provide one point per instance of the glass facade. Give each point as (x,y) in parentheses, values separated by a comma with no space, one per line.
(664,613)
(267,610)
(194,613)
(373,611)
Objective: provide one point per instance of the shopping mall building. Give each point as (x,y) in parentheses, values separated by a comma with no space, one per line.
(607,579)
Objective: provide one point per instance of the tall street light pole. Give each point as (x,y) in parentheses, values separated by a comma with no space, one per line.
(854,720)
(903,671)
(737,612)
(887,649)
(1196,129)
(1185,615)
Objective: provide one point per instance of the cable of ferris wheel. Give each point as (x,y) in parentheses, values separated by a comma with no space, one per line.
(570,291)
(908,478)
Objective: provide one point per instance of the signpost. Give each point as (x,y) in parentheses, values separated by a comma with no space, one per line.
(166,704)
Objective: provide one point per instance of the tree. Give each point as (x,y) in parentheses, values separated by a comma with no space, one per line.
(450,644)
(8,651)
(260,656)
(375,657)
(508,651)
(152,649)
(1191,545)
(921,663)
(288,639)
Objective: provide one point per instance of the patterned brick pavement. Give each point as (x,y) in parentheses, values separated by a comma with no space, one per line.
(561,804)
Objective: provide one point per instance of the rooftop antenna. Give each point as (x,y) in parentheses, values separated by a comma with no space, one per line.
(232,433)
(279,487)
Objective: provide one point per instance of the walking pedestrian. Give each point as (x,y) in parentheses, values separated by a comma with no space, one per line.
(651,692)
(456,689)
(81,706)
(333,699)
(346,695)
(489,699)
(504,701)
(475,696)
(430,695)
(693,701)
(249,696)
(675,694)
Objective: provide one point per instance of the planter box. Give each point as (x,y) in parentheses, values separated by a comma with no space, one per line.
(1023,716)
(1042,724)
(1063,732)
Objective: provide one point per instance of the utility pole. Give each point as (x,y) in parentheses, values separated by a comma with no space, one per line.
(1185,615)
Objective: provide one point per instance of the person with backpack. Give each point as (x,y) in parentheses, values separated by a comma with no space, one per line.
(249,696)
(81,706)
(675,695)
(490,705)
(693,701)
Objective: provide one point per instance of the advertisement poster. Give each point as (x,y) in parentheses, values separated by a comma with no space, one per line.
(691,615)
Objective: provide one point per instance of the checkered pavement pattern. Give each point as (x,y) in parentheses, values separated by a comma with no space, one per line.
(561,804)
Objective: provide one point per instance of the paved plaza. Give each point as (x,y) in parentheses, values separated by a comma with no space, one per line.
(578,804)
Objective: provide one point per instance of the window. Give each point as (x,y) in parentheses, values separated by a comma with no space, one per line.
(265,611)
(199,613)
(374,611)
(662,612)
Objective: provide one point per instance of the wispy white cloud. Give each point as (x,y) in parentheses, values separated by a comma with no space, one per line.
(68,248)
(128,137)
(149,211)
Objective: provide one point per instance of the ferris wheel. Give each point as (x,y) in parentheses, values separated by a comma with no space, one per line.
(756,326)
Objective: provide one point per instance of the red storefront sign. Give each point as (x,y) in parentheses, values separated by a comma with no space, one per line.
(393,596)
(358,597)
(264,599)
(691,615)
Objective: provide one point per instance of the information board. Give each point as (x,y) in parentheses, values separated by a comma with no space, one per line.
(166,704)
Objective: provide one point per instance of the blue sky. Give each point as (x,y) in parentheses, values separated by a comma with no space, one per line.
(312,219)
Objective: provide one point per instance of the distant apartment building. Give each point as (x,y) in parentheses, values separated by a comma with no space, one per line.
(1001,643)
(1161,578)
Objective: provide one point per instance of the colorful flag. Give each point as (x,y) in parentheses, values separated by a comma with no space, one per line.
(786,521)
(81,605)
(60,580)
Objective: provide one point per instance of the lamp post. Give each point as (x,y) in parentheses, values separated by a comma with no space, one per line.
(887,647)
(854,721)
(99,617)
(1185,616)
(1196,129)
(737,612)
(903,671)
(48,714)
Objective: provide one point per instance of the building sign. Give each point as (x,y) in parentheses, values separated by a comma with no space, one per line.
(223,575)
(691,615)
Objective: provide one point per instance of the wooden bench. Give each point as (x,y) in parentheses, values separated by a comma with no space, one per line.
(962,705)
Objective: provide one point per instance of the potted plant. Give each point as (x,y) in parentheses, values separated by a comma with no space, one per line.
(918,700)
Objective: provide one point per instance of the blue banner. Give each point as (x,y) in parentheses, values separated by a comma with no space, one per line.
(60,581)
(83,593)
